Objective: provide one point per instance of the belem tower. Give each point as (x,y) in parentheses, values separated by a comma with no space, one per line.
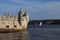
(19,22)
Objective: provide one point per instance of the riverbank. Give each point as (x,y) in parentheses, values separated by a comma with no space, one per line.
(48,21)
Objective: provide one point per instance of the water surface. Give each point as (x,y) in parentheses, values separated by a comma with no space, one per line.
(34,32)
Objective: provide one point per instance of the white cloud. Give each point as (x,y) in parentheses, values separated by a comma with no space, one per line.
(53,5)
(46,10)
(20,1)
(34,7)
(48,5)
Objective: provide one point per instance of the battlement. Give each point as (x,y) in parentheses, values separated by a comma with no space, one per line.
(8,21)
(8,18)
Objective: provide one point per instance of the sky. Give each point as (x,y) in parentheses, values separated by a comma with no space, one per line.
(37,9)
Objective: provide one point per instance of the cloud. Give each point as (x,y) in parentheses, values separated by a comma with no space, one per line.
(54,5)
(47,5)
(46,10)
(37,8)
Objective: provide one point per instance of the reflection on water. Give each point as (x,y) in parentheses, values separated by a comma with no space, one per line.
(34,32)
(45,32)
(22,35)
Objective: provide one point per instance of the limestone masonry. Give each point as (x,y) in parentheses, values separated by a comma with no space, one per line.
(8,21)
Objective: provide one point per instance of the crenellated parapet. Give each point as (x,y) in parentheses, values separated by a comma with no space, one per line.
(9,17)
(8,21)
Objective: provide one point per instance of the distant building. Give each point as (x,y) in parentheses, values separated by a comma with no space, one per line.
(8,21)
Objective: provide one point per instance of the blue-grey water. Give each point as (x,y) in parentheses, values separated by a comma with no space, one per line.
(34,32)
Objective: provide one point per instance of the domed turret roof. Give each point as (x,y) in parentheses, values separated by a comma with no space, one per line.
(21,11)
(26,13)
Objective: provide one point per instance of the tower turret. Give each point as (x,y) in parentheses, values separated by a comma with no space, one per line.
(20,16)
(27,16)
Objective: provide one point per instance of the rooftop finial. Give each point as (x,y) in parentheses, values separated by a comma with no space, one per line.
(21,11)
(26,12)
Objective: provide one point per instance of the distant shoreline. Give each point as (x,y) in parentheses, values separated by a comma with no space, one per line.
(48,21)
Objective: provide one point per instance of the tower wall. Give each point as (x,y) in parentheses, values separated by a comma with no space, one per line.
(14,22)
(20,16)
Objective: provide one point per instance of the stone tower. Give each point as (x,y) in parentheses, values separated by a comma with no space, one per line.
(27,16)
(14,23)
(20,16)
(23,18)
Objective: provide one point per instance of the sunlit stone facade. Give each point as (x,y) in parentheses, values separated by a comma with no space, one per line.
(8,21)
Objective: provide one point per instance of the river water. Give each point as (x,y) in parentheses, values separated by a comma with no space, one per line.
(34,32)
